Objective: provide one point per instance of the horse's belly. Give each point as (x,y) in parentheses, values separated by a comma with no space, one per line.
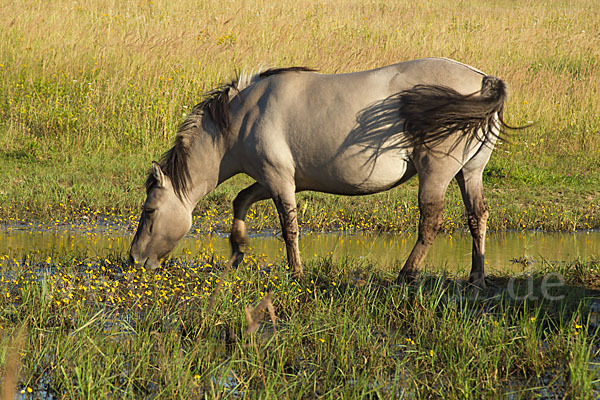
(356,174)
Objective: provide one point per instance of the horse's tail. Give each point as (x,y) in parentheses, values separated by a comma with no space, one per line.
(432,113)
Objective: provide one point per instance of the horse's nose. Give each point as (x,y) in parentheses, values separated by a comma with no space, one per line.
(131,260)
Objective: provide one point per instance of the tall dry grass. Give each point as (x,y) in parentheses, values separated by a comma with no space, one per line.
(114,68)
(105,77)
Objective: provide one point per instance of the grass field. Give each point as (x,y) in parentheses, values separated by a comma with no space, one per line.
(92,92)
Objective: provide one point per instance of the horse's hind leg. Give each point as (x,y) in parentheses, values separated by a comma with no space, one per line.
(431,206)
(471,187)
(238,238)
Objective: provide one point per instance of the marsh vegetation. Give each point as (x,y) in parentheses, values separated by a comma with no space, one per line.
(97,328)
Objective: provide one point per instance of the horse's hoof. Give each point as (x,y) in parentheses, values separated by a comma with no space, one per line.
(297,275)
(406,277)
(477,282)
(238,258)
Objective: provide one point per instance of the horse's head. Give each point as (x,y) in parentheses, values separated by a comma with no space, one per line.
(165,219)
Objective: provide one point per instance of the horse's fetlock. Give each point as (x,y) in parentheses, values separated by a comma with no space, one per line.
(238,237)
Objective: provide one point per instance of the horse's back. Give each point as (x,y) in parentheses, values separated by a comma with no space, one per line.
(391,79)
(334,100)
(338,132)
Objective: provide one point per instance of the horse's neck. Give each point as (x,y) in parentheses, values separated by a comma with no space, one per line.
(206,165)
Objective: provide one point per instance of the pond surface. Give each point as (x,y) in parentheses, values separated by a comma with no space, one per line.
(451,252)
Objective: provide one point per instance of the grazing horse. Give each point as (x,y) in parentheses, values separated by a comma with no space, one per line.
(293,129)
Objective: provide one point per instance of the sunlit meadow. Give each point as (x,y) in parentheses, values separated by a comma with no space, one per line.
(92,92)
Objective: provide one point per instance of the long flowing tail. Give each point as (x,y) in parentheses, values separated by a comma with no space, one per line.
(432,113)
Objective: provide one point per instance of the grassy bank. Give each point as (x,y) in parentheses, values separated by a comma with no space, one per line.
(389,212)
(97,328)
(92,93)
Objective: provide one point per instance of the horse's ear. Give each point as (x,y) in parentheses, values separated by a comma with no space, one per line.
(158,174)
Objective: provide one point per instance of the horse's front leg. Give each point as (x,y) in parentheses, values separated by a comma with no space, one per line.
(285,201)
(471,187)
(238,237)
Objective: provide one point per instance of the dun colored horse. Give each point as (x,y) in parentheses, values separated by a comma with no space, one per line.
(293,129)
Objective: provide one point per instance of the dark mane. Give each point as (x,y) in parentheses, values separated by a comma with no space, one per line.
(174,164)
(275,71)
(215,103)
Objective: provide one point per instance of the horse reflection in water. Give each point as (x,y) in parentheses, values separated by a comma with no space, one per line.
(293,129)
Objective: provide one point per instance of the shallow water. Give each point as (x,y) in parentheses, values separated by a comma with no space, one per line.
(452,252)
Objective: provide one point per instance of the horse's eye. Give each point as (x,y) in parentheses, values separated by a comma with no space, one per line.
(149,211)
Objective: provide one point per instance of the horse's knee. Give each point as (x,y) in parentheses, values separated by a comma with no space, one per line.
(477,221)
(484,216)
(291,232)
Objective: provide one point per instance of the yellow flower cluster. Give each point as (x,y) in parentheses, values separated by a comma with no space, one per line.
(113,282)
